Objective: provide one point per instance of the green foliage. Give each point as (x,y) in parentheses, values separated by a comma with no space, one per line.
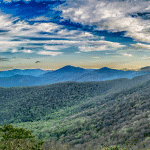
(79,114)
(11,133)
(18,138)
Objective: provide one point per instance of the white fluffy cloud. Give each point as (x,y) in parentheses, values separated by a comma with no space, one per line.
(104,15)
(111,15)
(23,28)
(6,21)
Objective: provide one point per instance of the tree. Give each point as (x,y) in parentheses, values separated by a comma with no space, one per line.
(17,137)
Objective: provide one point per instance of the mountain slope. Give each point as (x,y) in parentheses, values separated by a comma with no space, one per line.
(19,80)
(37,98)
(82,114)
(67,73)
(145,69)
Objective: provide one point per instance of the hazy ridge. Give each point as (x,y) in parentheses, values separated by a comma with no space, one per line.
(33,77)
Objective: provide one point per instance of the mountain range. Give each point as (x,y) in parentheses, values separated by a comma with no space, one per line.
(31,72)
(32,77)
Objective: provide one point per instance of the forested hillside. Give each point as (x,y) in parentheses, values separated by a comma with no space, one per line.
(32,103)
(83,115)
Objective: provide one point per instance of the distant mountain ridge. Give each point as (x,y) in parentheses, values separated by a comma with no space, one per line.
(146,69)
(105,70)
(32,77)
(69,68)
(31,72)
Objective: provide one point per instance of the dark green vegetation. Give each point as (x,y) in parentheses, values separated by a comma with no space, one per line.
(18,138)
(82,115)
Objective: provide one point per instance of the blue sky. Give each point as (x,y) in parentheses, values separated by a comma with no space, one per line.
(90,34)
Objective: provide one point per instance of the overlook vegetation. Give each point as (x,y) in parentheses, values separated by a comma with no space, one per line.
(86,115)
(14,138)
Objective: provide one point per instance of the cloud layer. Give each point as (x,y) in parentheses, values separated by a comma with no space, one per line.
(115,16)
(88,28)
(21,34)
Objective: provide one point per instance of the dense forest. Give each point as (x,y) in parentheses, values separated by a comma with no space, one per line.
(82,115)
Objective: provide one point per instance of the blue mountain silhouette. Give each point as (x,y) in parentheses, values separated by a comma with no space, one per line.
(30,77)
(31,72)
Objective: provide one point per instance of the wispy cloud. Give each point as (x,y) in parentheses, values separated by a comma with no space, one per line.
(56,47)
(141,46)
(49,53)
(78,52)
(40,18)
(145,57)
(92,48)
(108,43)
(27,51)
(102,45)
(127,55)
(96,57)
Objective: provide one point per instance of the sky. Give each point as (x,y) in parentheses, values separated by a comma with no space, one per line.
(50,34)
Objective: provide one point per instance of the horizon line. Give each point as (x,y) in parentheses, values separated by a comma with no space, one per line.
(124,69)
